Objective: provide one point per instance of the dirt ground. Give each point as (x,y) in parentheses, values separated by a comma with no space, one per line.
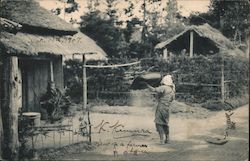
(128,133)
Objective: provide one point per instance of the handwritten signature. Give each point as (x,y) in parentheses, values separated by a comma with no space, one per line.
(130,148)
(117,127)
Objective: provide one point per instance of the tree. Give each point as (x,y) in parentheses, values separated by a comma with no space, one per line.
(233,16)
(92,4)
(131,28)
(109,32)
(201,18)
(106,34)
(172,11)
(73,6)
(162,23)
(230,17)
(70,7)
(111,10)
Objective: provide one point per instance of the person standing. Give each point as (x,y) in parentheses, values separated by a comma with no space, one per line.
(165,95)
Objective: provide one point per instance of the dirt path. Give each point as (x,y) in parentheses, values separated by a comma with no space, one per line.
(187,136)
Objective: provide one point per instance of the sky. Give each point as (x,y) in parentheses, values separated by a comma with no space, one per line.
(188,6)
(185,7)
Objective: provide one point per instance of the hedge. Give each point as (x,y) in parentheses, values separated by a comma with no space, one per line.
(108,84)
(112,86)
(202,70)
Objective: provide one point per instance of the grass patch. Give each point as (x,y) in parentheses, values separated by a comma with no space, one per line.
(230,104)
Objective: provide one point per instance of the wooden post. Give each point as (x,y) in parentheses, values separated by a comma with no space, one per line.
(10,109)
(191,45)
(84,79)
(51,71)
(1,125)
(89,134)
(1,134)
(222,81)
(165,54)
(248,47)
(143,36)
(85,97)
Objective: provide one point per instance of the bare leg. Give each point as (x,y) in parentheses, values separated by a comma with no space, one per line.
(161,137)
(166,134)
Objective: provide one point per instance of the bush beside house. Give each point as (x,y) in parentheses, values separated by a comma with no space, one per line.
(111,86)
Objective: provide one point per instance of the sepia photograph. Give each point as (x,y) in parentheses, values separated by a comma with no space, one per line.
(149,80)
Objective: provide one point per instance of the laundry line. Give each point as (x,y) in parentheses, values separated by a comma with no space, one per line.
(112,66)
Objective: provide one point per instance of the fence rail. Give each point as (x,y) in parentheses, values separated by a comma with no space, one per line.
(53,135)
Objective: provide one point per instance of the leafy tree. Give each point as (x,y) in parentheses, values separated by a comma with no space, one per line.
(130,28)
(73,6)
(92,5)
(172,11)
(158,26)
(165,32)
(231,17)
(234,16)
(106,34)
(129,10)
(111,10)
(201,18)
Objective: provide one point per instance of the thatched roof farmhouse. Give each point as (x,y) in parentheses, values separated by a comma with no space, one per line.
(32,46)
(202,39)
(36,37)
(43,32)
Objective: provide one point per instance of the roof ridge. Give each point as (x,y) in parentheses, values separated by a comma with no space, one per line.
(30,13)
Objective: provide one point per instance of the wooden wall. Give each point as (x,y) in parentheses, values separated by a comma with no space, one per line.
(58,73)
(1,125)
(35,77)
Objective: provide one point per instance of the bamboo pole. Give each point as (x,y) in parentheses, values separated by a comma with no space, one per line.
(84,79)
(248,47)
(85,97)
(165,54)
(1,125)
(1,130)
(222,81)
(143,36)
(1,133)
(191,47)
(10,119)
(89,135)
(113,66)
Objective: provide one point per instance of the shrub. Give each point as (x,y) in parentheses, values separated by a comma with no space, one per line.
(110,85)
(201,70)
(106,84)
(72,79)
(228,105)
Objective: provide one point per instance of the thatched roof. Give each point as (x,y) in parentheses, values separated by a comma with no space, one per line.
(235,52)
(30,44)
(21,41)
(208,32)
(205,32)
(29,12)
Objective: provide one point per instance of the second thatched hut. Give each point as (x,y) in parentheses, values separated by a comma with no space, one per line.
(198,40)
